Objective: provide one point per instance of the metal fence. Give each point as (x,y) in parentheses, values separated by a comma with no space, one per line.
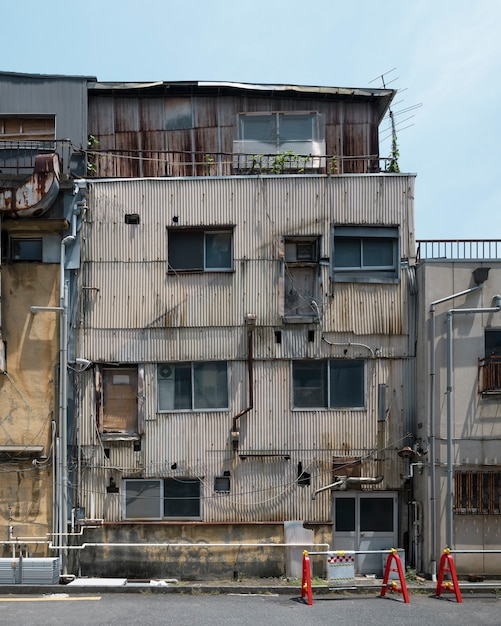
(458,249)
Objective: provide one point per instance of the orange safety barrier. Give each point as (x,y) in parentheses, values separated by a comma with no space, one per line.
(393,585)
(447,565)
(306,582)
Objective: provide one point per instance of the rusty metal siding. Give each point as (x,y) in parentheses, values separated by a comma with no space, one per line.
(190,127)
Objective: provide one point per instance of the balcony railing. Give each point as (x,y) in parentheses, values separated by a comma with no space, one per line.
(489,379)
(18,157)
(458,249)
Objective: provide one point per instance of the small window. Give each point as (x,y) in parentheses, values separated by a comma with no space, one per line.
(24,249)
(364,254)
(222,484)
(192,250)
(301,277)
(332,384)
(192,386)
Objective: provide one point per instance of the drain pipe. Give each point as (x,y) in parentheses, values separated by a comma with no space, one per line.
(432,433)
(495,308)
(343,482)
(250,321)
(63,382)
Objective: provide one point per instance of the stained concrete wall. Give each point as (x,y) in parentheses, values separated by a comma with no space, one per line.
(201,562)
(28,399)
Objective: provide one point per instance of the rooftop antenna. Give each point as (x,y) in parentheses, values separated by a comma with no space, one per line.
(392,163)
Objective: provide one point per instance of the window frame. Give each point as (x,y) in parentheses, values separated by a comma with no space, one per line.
(102,371)
(17,241)
(365,273)
(297,267)
(328,393)
(204,233)
(276,143)
(160,498)
(479,487)
(193,384)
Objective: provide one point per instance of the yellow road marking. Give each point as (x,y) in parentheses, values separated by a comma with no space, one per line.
(48,599)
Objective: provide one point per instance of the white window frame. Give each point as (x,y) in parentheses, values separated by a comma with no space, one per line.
(313,147)
(366,273)
(161,376)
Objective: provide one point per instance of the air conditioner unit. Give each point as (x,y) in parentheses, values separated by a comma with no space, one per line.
(166,372)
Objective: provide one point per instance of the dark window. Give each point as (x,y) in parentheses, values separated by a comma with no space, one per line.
(173,498)
(364,254)
(328,384)
(182,498)
(477,492)
(344,514)
(489,380)
(192,250)
(376,514)
(26,249)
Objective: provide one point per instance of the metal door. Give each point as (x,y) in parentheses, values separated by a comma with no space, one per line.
(365,521)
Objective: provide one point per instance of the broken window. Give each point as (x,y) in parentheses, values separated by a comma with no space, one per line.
(301,279)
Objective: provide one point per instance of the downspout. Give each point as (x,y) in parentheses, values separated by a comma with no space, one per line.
(496,301)
(63,384)
(433,474)
(250,320)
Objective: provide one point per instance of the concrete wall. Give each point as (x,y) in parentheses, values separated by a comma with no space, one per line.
(191,562)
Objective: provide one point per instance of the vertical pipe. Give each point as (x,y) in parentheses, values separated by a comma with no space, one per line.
(433,476)
(448,500)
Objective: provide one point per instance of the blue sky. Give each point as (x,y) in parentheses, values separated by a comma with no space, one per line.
(445,56)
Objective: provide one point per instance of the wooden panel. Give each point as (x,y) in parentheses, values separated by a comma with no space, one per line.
(120,400)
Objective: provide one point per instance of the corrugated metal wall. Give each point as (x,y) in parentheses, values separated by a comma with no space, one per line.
(135,132)
(134,311)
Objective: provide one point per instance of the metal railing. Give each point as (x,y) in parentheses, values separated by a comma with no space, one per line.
(489,380)
(458,249)
(18,157)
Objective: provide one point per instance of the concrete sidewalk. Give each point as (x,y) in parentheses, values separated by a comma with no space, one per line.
(368,586)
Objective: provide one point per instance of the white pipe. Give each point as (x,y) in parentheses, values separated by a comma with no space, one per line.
(432,435)
(449,497)
(343,482)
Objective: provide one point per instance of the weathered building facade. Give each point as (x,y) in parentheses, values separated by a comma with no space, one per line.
(210,315)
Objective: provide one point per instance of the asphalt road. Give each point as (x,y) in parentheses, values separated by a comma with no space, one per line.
(146,609)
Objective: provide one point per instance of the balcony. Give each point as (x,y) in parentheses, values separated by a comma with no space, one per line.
(142,163)
(17,158)
(489,375)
